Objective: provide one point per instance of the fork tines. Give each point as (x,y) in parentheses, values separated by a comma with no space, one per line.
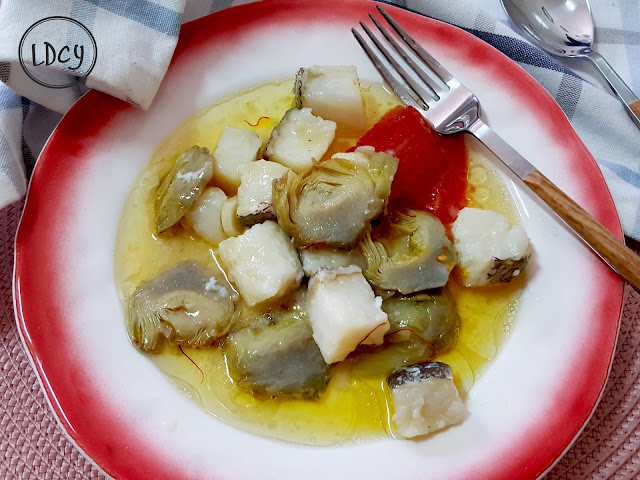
(411,91)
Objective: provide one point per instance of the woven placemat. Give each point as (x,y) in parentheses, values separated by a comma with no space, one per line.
(33,446)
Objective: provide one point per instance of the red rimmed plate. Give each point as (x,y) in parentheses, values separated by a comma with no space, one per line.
(123,413)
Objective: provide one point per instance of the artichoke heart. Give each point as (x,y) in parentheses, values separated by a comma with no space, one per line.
(429,318)
(410,253)
(276,355)
(182,186)
(333,202)
(186,305)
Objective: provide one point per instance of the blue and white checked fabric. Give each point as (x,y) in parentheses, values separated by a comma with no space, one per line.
(150,28)
(135,41)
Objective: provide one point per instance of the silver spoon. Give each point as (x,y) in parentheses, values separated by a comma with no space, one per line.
(565,28)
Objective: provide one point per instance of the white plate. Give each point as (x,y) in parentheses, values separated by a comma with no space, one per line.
(125,415)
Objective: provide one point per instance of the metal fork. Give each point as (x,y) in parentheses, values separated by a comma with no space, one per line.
(450,108)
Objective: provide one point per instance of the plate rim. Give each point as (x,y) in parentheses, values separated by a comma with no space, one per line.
(94,96)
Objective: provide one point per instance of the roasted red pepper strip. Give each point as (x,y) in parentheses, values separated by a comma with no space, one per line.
(432,174)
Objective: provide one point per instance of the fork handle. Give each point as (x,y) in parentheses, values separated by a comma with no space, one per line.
(594,234)
(614,252)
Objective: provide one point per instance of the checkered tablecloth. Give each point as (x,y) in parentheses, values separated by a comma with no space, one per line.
(32,446)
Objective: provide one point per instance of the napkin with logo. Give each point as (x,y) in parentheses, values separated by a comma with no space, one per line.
(136,38)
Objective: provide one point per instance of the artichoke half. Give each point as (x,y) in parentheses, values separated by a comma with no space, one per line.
(410,253)
(429,318)
(333,202)
(186,305)
(182,186)
(274,354)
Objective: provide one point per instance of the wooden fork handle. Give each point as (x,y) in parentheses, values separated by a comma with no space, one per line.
(601,240)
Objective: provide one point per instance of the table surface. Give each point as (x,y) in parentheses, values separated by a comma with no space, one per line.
(33,446)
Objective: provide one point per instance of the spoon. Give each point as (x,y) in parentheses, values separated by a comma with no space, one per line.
(565,28)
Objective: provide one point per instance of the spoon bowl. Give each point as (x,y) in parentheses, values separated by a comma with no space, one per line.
(560,27)
(565,28)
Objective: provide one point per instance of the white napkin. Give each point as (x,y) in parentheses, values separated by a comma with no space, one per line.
(136,39)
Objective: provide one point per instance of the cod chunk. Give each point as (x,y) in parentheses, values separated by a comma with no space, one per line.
(237,146)
(344,312)
(300,139)
(425,399)
(332,92)
(261,263)
(255,202)
(489,250)
(315,258)
(204,217)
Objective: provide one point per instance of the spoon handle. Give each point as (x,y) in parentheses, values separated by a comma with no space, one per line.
(627,97)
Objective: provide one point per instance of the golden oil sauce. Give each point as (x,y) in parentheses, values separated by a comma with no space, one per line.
(357,404)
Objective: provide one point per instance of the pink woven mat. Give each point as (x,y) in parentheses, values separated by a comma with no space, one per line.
(33,446)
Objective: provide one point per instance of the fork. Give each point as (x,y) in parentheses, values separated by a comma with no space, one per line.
(450,107)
